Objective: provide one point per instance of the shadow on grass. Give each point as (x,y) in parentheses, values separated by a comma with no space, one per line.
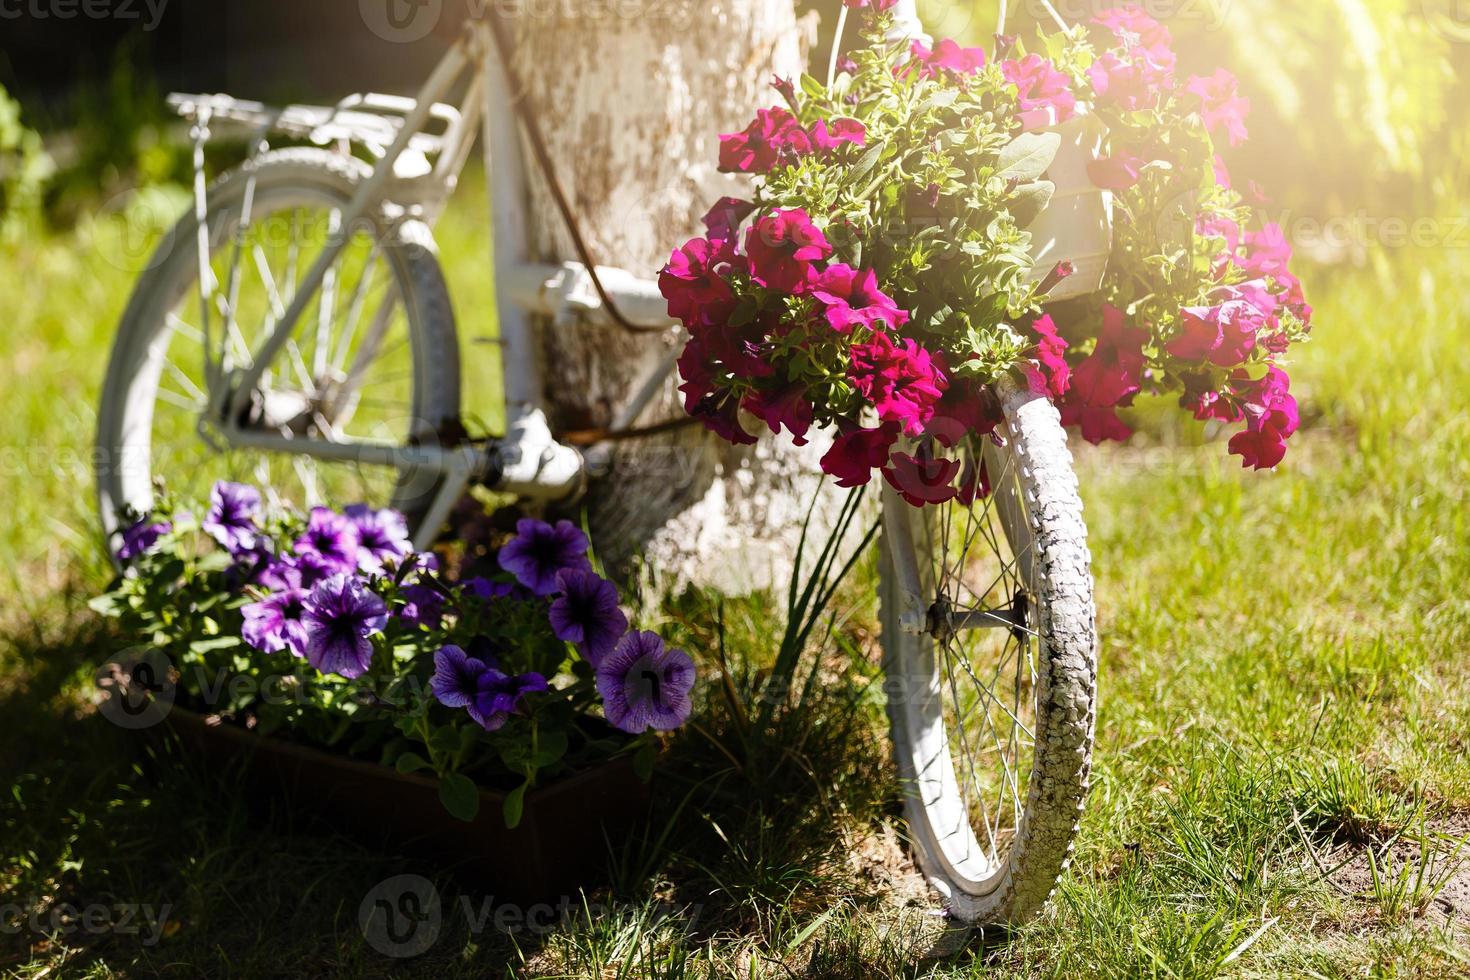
(123,855)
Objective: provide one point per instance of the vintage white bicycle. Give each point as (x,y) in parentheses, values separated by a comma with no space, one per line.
(296,330)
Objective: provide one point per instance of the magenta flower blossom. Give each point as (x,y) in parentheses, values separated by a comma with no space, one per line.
(1221,104)
(341,615)
(1118,172)
(275,623)
(643,685)
(233,508)
(875,4)
(1110,376)
(141,538)
(382,536)
(773,134)
(946,56)
(779,407)
(1043,94)
(852,298)
(696,282)
(903,382)
(539,551)
(586,613)
(1051,357)
(332,541)
(499,694)
(456,680)
(828,137)
(857,452)
(782,247)
(923,478)
(1136,29)
(1224,333)
(1132,80)
(1271,418)
(724,219)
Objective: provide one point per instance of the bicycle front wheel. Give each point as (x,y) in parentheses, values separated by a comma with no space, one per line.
(374,357)
(990,652)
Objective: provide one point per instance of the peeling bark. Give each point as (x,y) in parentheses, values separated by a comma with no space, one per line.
(632,107)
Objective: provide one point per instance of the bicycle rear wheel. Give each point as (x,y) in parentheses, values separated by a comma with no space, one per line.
(990,652)
(374,356)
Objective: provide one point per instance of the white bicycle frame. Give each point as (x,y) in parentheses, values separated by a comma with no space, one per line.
(528,462)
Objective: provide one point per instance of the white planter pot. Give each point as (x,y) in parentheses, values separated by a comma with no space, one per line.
(1077,226)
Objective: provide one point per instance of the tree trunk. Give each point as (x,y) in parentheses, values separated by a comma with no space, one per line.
(632,107)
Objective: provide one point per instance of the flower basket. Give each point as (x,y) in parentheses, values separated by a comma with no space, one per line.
(1076,228)
(560,845)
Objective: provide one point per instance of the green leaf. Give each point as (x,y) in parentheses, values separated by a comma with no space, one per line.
(865,164)
(1027,156)
(1030,200)
(644,760)
(460,796)
(515,806)
(411,762)
(550,747)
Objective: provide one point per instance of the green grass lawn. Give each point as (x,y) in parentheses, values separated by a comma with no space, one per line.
(1283,754)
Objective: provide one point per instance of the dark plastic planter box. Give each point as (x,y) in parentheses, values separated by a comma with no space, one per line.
(561,844)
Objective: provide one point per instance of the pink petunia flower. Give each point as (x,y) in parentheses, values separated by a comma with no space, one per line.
(1117,172)
(1225,332)
(1110,376)
(1043,94)
(827,137)
(1051,357)
(760,146)
(787,407)
(1132,80)
(856,452)
(1222,106)
(923,477)
(903,382)
(695,282)
(1134,28)
(1271,418)
(723,220)
(946,56)
(782,247)
(852,298)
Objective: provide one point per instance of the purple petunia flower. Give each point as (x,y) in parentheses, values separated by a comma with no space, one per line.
(587,614)
(382,536)
(499,694)
(424,606)
(645,686)
(141,537)
(539,551)
(341,614)
(275,623)
(456,680)
(331,539)
(233,508)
